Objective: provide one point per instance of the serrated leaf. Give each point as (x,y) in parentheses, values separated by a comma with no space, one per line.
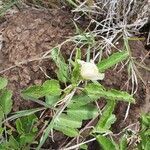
(25,124)
(83,112)
(105,143)
(6,101)
(52,87)
(3,83)
(76,71)
(63,71)
(34,92)
(93,90)
(76,74)
(107,118)
(49,87)
(112,60)
(117,95)
(97,90)
(71,132)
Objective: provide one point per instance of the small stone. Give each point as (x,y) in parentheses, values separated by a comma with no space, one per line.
(18,30)
(38,82)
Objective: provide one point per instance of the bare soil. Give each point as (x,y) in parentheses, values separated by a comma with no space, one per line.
(29,33)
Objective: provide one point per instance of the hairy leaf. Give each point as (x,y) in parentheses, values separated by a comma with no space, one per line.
(49,87)
(52,87)
(112,60)
(97,90)
(34,92)
(93,90)
(63,71)
(107,118)
(117,95)
(76,70)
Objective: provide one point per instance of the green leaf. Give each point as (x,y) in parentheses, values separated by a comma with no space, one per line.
(24,113)
(49,87)
(19,127)
(63,71)
(84,147)
(71,132)
(83,112)
(107,118)
(13,143)
(68,121)
(93,90)
(112,60)
(105,143)
(147,132)
(97,91)
(1,115)
(78,54)
(144,132)
(80,100)
(118,95)
(51,100)
(123,143)
(52,87)
(76,71)
(3,83)
(33,92)
(26,139)
(145,121)
(6,101)
(25,124)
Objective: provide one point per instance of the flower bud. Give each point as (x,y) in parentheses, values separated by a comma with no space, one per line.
(89,71)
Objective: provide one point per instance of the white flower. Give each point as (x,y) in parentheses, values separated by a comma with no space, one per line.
(89,71)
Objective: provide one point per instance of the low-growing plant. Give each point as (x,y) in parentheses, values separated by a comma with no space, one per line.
(74,93)
(73,96)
